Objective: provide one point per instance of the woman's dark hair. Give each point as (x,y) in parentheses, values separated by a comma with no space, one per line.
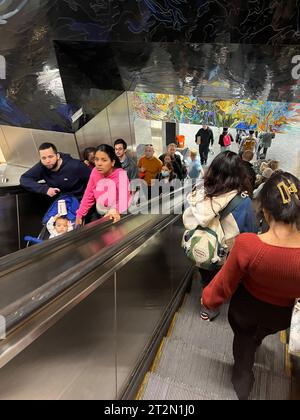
(273,195)
(227,173)
(110,151)
(87,151)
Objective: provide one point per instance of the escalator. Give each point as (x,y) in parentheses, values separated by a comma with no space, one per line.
(85,312)
(195,359)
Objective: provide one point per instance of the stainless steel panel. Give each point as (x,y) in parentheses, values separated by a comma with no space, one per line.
(131,123)
(2,158)
(145,286)
(5,151)
(10,174)
(115,121)
(31,209)
(21,149)
(94,132)
(19,146)
(63,261)
(65,142)
(9,238)
(73,360)
(86,355)
(118,119)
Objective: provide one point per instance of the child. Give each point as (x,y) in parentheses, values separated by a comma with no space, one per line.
(58,225)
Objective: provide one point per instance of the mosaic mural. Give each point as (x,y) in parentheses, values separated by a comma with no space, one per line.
(281,117)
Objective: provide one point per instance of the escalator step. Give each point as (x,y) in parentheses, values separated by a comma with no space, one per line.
(211,372)
(159,388)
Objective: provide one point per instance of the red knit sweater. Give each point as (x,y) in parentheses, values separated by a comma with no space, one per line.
(269,273)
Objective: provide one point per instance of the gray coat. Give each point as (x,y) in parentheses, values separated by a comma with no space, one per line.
(265,139)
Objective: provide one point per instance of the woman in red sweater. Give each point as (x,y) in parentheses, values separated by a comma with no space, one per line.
(262,275)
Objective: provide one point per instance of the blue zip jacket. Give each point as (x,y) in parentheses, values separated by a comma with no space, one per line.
(71,178)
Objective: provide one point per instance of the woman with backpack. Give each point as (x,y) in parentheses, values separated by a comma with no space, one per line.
(262,278)
(223,200)
(248,143)
(225,140)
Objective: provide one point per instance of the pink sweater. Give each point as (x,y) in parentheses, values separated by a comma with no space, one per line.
(110,192)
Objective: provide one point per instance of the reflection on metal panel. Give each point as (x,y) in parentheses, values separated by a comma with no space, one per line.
(21,149)
(73,360)
(118,119)
(9,238)
(94,132)
(145,287)
(65,142)
(4,149)
(29,207)
(103,338)
(111,123)
(148,132)
(2,158)
(19,146)
(129,96)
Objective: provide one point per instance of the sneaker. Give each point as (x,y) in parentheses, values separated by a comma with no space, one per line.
(204,316)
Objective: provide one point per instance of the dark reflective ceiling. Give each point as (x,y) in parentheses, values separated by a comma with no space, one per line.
(215,49)
(209,71)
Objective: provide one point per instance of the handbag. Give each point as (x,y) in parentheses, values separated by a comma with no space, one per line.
(198,140)
(227,140)
(294,339)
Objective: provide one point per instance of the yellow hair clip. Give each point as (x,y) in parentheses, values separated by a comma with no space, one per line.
(286,191)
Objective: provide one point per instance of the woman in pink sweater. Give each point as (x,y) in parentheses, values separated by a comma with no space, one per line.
(108,186)
(262,275)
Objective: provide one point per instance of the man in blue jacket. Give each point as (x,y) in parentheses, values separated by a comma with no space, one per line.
(61,173)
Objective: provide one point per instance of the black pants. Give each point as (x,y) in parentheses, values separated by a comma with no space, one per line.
(203,151)
(251,321)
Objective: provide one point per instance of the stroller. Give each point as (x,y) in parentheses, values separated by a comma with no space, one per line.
(65,206)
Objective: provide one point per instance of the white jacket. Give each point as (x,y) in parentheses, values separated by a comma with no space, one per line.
(203,210)
(52,230)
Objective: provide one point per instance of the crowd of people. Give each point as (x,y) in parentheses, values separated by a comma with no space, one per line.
(260,275)
(58,173)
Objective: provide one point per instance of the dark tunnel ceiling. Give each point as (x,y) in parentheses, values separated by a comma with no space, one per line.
(32,94)
(209,71)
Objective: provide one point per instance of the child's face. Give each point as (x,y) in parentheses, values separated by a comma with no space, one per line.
(61,226)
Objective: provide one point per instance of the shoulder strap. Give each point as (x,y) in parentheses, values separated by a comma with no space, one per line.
(233,204)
